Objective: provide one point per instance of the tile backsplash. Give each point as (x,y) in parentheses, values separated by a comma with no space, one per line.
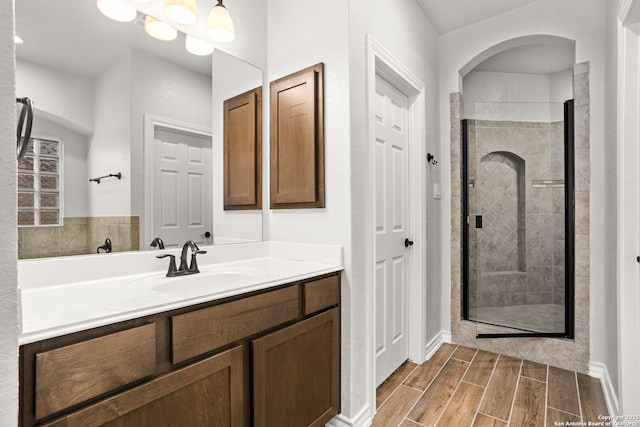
(79,236)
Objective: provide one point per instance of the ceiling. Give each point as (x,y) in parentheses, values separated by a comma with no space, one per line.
(449,15)
(74,36)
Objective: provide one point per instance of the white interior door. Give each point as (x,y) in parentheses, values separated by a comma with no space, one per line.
(391,221)
(182,208)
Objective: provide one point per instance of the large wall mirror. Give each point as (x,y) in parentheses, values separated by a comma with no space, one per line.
(108,100)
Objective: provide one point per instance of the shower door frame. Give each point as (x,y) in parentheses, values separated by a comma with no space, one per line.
(569,213)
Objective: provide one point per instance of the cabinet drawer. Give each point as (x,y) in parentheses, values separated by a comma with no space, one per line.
(321,294)
(204,330)
(73,374)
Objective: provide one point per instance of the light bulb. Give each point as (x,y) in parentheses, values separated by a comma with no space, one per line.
(184,12)
(197,47)
(117,10)
(158,29)
(219,25)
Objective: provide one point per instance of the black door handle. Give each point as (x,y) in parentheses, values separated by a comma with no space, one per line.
(408,243)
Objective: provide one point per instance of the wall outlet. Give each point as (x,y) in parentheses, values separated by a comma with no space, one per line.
(437,194)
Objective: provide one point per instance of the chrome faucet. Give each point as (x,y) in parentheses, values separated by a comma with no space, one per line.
(184,269)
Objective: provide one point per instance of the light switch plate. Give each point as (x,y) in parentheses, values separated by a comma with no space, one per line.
(437,194)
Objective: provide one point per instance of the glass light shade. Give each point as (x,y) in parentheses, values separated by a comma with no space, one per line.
(197,47)
(219,25)
(158,29)
(117,10)
(184,12)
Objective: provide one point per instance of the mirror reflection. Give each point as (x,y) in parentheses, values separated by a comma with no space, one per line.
(108,100)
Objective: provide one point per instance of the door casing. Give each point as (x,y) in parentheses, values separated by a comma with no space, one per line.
(379,61)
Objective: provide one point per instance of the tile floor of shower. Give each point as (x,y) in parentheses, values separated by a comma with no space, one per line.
(543,318)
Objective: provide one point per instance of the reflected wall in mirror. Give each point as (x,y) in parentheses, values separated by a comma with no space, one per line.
(113,97)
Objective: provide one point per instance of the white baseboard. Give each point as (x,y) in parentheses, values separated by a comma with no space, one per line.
(362,419)
(433,345)
(600,371)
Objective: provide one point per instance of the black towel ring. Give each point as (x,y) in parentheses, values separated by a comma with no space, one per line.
(25,113)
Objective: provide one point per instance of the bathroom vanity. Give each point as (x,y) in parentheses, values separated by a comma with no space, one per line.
(265,352)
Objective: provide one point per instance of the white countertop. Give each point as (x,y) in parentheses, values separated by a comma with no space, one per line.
(53,306)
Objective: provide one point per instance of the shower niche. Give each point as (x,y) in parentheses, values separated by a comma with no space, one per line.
(517,207)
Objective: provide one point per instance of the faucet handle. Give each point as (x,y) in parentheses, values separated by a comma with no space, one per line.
(193,267)
(172,271)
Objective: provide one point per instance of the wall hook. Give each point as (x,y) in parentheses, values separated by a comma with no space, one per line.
(431,159)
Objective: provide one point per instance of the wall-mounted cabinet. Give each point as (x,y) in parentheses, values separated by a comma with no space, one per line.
(243,151)
(297,140)
(268,358)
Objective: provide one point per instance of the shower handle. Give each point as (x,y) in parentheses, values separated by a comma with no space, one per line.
(408,243)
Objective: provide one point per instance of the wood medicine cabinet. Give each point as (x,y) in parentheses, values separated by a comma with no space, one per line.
(297,140)
(243,151)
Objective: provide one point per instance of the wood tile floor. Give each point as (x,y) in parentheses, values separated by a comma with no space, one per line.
(464,387)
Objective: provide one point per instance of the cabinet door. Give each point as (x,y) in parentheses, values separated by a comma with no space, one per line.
(243,151)
(297,140)
(207,393)
(296,373)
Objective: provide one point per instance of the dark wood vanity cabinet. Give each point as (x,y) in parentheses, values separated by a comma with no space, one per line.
(269,358)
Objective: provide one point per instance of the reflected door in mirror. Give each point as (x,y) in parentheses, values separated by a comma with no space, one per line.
(182,187)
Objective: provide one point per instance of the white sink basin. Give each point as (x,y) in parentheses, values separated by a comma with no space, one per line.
(203,281)
(211,280)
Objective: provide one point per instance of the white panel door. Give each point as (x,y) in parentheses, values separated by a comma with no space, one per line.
(182,187)
(391,221)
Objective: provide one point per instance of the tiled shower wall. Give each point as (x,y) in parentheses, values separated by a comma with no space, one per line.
(79,236)
(516,186)
(571,354)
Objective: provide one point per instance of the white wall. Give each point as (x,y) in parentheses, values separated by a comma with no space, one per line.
(74,161)
(608,351)
(8,232)
(67,96)
(109,149)
(582,21)
(492,95)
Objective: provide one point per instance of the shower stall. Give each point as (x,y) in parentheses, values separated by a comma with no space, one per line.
(518,216)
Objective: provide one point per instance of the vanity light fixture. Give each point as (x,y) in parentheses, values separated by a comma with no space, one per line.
(219,25)
(117,10)
(158,29)
(184,12)
(197,47)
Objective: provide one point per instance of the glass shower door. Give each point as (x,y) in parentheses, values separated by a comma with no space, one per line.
(515,238)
